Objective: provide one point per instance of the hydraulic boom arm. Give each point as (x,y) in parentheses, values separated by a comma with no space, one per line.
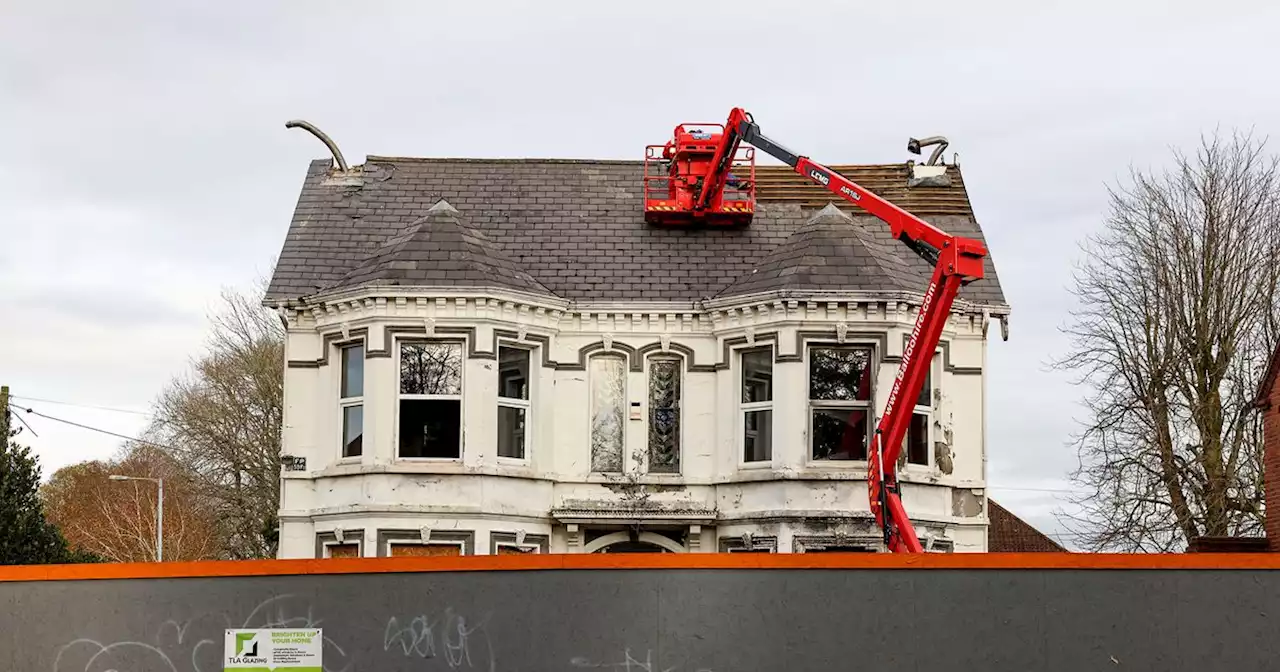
(956,261)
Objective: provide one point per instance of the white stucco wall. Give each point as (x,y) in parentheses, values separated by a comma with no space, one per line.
(788,498)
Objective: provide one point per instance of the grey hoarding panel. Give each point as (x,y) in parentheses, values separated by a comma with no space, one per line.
(939,620)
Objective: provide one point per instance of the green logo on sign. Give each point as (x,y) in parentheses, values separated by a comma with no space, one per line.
(246,644)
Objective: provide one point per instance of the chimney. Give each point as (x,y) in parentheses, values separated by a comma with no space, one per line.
(932,173)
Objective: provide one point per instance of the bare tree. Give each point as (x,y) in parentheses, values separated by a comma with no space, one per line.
(1177,317)
(117,521)
(223,420)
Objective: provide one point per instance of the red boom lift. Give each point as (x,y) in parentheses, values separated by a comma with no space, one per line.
(704,176)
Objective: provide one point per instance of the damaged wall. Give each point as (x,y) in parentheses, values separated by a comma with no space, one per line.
(497,494)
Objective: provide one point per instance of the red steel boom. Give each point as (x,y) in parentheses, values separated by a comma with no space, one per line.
(956,261)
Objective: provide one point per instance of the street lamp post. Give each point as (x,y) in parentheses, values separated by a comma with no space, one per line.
(159,509)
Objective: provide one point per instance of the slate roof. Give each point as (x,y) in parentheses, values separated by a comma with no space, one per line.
(439,249)
(1008,533)
(575,230)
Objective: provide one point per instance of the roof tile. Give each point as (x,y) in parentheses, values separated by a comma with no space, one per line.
(539,218)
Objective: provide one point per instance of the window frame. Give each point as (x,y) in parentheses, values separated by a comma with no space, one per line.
(349,402)
(750,407)
(761,544)
(328,554)
(525,549)
(510,402)
(681,382)
(935,382)
(591,411)
(461,344)
(456,543)
(811,405)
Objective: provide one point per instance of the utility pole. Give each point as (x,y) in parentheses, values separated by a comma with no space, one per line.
(4,415)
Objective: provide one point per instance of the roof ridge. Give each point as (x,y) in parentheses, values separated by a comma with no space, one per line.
(792,262)
(371,158)
(479,253)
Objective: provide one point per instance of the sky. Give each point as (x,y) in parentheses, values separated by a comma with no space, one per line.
(145,166)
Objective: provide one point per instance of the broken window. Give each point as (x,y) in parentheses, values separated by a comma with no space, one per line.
(608,412)
(917,439)
(430,400)
(351,400)
(840,402)
(513,401)
(757,405)
(664,415)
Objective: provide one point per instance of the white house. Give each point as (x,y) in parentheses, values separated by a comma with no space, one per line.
(501,356)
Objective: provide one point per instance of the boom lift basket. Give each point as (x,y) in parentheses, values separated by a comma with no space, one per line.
(674,174)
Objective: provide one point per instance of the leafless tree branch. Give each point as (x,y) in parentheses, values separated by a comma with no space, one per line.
(1177,316)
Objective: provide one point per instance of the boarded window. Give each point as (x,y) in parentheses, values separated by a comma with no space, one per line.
(343,550)
(424,550)
(664,415)
(608,412)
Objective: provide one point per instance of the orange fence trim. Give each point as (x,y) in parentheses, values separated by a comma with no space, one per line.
(538,562)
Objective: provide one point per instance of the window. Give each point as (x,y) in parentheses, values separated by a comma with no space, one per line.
(757,405)
(840,549)
(840,402)
(608,412)
(917,439)
(351,400)
(748,544)
(664,415)
(417,549)
(506,548)
(431,400)
(513,401)
(347,550)
(836,543)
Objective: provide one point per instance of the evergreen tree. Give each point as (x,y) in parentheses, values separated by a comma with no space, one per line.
(26,537)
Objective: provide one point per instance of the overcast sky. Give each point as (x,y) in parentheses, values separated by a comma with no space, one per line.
(144,162)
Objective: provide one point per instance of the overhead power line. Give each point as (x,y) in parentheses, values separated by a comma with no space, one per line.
(79,405)
(88,427)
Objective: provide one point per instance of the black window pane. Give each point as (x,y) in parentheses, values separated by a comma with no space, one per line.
(430,428)
(918,439)
(757,436)
(513,373)
(926,391)
(839,434)
(840,374)
(757,376)
(511,432)
(430,368)
(352,371)
(352,431)
(664,416)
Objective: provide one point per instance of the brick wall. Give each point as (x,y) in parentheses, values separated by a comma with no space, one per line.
(1271,463)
